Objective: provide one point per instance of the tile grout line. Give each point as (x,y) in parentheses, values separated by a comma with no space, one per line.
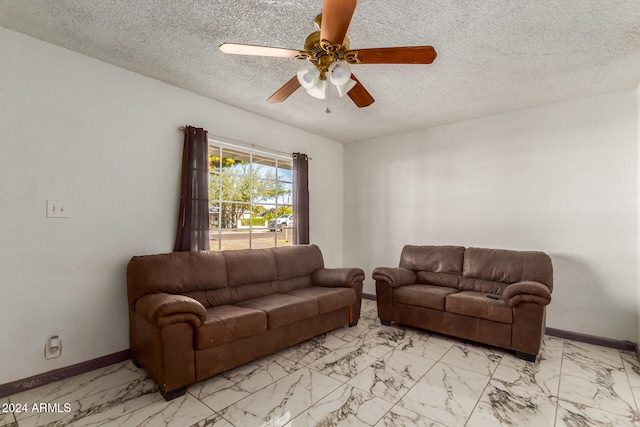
(555,413)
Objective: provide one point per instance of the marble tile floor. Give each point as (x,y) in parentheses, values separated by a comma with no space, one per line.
(370,375)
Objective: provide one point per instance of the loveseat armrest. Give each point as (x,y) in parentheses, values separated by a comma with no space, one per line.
(337,277)
(164,309)
(527,291)
(395,276)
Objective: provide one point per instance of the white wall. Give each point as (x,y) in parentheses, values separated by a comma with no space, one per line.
(106,142)
(560,178)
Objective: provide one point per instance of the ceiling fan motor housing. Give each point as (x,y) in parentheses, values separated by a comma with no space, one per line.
(322,54)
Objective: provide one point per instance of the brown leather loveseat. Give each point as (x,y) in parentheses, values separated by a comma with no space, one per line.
(493,296)
(195,314)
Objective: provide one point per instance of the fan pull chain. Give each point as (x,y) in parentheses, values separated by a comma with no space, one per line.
(327,93)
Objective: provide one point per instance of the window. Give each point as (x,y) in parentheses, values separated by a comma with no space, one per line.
(250,198)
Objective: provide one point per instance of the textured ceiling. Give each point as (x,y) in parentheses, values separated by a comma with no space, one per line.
(493,55)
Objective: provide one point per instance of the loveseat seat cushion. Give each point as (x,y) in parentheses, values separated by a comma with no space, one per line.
(482,286)
(328,299)
(429,296)
(227,323)
(477,304)
(283,309)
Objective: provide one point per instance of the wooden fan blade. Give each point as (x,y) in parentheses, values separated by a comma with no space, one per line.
(336,17)
(285,91)
(397,55)
(247,49)
(359,94)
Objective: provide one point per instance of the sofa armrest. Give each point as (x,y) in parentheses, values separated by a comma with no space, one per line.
(164,309)
(337,277)
(527,291)
(395,276)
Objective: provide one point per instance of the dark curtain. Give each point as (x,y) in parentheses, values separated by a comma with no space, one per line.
(300,199)
(193,219)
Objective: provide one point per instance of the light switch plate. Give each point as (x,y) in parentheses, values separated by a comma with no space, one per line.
(57,209)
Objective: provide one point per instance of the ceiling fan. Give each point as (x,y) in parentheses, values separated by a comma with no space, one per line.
(329,54)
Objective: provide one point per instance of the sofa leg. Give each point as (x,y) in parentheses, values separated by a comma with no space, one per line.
(352,324)
(385,322)
(172,394)
(526,356)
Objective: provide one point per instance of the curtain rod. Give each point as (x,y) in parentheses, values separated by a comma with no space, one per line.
(240,144)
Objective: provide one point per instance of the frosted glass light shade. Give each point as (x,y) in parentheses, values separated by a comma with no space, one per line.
(318,90)
(308,77)
(339,73)
(343,89)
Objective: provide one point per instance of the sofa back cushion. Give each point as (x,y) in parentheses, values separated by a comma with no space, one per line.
(295,265)
(251,273)
(436,259)
(438,279)
(187,273)
(434,265)
(227,277)
(491,270)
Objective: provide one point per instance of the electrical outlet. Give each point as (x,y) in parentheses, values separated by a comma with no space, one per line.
(53,348)
(56,209)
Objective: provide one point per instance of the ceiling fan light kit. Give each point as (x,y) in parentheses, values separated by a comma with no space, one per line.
(311,80)
(329,54)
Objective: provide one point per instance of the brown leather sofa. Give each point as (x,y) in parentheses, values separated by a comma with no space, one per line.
(195,314)
(497,297)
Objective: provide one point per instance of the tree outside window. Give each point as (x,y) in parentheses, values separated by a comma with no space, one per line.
(249,194)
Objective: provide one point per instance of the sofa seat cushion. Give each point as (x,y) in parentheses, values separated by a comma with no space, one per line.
(477,304)
(283,309)
(227,323)
(329,299)
(429,296)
